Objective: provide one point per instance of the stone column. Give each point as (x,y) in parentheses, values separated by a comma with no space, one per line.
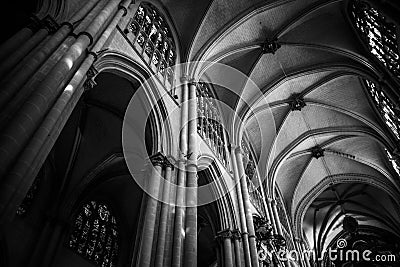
(236,244)
(276,217)
(163,217)
(300,252)
(171,222)
(27,119)
(271,215)
(11,86)
(19,38)
(247,208)
(306,260)
(179,228)
(40,145)
(191,190)
(149,222)
(224,237)
(243,223)
(48,25)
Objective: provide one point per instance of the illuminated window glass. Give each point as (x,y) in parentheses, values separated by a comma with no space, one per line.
(378,34)
(95,234)
(209,122)
(149,30)
(387,109)
(392,159)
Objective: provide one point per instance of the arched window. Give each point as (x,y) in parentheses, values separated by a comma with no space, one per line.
(95,234)
(378,34)
(387,109)
(209,123)
(151,36)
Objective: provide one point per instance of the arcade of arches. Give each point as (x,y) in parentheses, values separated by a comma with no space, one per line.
(301,155)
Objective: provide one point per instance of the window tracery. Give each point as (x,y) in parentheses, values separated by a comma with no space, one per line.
(95,234)
(378,34)
(387,109)
(149,30)
(209,122)
(251,173)
(393,161)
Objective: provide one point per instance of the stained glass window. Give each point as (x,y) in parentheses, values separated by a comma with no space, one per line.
(149,30)
(378,34)
(209,123)
(389,112)
(30,196)
(95,234)
(392,159)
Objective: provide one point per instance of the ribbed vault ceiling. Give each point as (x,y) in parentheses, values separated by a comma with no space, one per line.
(321,61)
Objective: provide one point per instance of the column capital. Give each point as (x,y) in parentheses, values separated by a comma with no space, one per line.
(192,81)
(50,24)
(91,74)
(224,234)
(184,79)
(236,235)
(157,159)
(169,162)
(35,23)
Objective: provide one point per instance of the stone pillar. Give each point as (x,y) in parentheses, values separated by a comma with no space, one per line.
(179,228)
(271,215)
(247,207)
(48,25)
(191,190)
(19,38)
(243,223)
(171,222)
(300,252)
(11,86)
(163,217)
(306,260)
(27,119)
(276,216)
(149,223)
(40,145)
(236,244)
(224,237)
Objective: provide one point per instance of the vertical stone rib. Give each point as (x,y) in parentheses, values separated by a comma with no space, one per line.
(272,216)
(149,224)
(170,224)
(236,245)
(225,238)
(163,218)
(191,192)
(276,215)
(243,224)
(177,252)
(247,208)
